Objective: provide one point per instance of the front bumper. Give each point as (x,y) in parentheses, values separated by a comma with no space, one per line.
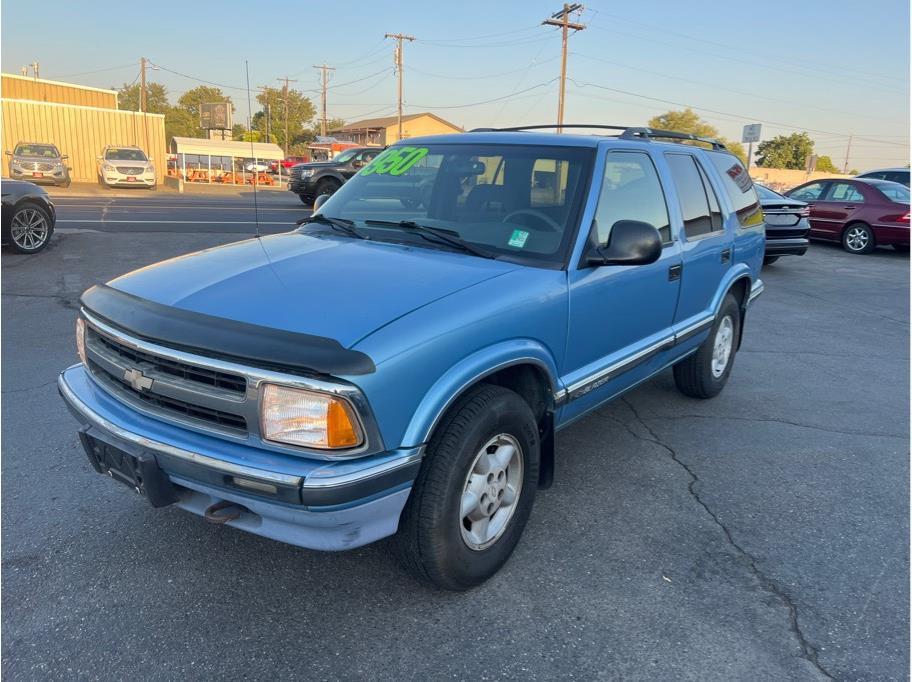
(117,180)
(312,503)
(47,177)
(302,185)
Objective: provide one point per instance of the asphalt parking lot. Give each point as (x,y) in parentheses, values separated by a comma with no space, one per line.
(759,535)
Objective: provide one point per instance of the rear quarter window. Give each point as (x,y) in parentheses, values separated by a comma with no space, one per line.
(739,187)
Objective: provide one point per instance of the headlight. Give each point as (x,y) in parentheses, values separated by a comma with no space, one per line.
(108,168)
(315,420)
(150,170)
(80,340)
(307,172)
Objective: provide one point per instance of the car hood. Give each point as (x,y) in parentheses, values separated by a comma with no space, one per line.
(317,164)
(338,288)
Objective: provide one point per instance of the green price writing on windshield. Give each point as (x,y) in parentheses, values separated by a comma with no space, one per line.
(395,161)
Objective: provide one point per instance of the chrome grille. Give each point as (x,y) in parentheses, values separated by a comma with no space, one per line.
(129,170)
(193,394)
(37,166)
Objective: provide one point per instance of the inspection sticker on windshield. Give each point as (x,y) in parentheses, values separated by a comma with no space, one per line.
(518,238)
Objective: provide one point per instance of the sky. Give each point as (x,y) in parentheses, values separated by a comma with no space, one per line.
(828,67)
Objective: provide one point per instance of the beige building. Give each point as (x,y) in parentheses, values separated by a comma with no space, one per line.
(383,131)
(80,121)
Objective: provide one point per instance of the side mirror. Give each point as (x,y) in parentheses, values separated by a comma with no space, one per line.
(320,200)
(631,242)
(151,159)
(357,163)
(9,153)
(64,157)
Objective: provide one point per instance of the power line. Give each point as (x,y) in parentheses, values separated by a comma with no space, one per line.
(482,76)
(86,73)
(487,101)
(482,37)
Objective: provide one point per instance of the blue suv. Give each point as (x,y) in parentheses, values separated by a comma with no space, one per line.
(400,363)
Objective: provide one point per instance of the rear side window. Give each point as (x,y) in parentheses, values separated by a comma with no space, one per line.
(739,187)
(843,191)
(631,191)
(691,194)
(899,176)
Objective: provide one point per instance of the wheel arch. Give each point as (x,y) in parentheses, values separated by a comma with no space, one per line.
(525,367)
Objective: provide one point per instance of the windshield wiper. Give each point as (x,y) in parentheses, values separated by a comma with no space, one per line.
(340,224)
(434,234)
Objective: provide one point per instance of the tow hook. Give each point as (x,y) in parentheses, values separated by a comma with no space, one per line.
(229,512)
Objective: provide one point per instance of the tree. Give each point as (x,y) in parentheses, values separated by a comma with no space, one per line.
(786,151)
(156,98)
(190,102)
(300,113)
(825,164)
(687,121)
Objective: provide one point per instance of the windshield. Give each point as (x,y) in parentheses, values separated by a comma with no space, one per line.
(45,151)
(894,191)
(125,155)
(344,156)
(514,201)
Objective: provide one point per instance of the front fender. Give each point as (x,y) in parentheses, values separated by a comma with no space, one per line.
(454,382)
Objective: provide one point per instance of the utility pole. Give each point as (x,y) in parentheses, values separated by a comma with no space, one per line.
(562,18)
(397,59)
(324,68)
(142,86)
(35,69)
(285,97)
(845,168)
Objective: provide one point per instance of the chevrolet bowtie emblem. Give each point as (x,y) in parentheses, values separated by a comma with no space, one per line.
(137,380)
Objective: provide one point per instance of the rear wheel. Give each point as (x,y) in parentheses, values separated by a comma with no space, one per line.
(858,238)
(474,492)
(704,373)
(769,260)
(30,229)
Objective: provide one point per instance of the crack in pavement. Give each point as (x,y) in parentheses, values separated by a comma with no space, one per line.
(774,420)
(28,388)
(808,650)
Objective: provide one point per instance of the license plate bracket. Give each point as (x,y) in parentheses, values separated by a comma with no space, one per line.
(137,470)
(131,178)
(37,175)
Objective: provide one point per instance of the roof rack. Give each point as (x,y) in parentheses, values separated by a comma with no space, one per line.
(627,132)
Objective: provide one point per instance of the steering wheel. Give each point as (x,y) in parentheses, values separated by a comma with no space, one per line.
(549,224)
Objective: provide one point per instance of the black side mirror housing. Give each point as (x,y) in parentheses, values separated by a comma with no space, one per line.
(320,200)
(631,242)
(357,163)
(64,157)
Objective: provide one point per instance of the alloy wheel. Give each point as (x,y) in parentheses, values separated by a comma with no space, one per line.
(491,492)
(857,238)
(29,229)
(722,346)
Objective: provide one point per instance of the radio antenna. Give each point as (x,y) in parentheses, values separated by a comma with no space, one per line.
(256,207)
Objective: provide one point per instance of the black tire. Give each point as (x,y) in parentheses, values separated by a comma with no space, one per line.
(67,183)
(902,248)
(430,541)
(327,186)
(769,260)
(153,188)
(306,199)
(694,375)
(858,238)
(23,246)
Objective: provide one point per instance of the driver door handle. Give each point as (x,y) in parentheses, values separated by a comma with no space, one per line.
(674,272)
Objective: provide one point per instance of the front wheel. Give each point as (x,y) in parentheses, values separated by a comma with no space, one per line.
(30,229)
(704,373)
(858,238)
(474,492)
(306,199)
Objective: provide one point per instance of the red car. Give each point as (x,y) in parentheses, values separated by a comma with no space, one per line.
(288,163)
(862,214)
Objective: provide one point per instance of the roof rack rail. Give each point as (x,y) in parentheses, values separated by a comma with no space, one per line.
(627,132)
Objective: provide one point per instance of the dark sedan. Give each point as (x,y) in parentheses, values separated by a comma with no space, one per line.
(787,225)
(861,214)
(28,216)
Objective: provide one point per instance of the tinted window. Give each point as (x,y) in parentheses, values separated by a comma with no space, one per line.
(899,176)
(877,175)
(691,194)
(125,154)
(631,191)
(47,151)
(810,192)
(843,191)
(715,213)
(894,191)
(739,187)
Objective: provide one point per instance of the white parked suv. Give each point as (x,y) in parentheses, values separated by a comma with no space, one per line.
(125,167)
